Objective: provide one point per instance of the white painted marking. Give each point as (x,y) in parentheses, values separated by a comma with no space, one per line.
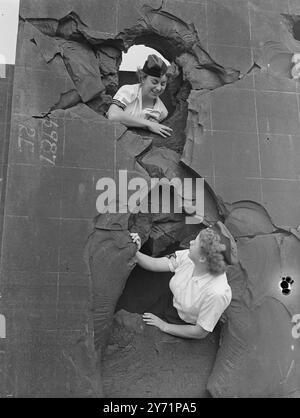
(2,326)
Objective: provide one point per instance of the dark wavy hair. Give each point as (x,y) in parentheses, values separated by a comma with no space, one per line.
(212,248)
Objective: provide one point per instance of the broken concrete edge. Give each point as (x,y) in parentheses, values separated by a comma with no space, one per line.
(129,37)
(287,32)
(275,57)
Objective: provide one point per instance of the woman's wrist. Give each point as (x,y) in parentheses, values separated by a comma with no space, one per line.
(147,124)
(164,327)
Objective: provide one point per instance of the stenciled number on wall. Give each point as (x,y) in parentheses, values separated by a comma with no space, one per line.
(49,140)
(26,138)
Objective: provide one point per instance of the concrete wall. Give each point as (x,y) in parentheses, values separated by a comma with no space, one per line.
(6,89)
(254,127)
(251,151)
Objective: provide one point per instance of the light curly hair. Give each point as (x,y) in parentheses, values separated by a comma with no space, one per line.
(140,75)
(212,248)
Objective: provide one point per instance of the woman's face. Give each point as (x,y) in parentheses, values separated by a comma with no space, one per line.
(153,87)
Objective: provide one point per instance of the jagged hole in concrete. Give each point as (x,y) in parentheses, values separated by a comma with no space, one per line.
(144,289)
(194,73)
(147,291)
(292,24)
(167,232)
(296,30)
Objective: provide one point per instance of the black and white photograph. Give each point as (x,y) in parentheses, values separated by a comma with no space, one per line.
(150,201)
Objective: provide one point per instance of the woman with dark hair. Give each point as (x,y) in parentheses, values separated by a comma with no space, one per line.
(139,105)
(199,286)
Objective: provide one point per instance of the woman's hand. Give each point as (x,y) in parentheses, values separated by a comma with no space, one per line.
(136,239)
(153,320)
(151,115)
(159,129)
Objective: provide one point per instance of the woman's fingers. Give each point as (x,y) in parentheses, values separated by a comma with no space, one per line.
(167,128)
(161,130)
(151,319)
(164,133)
(134,236)
(136,239)
(148,317)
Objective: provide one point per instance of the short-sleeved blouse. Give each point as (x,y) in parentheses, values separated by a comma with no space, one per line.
(198,299)
(129,98)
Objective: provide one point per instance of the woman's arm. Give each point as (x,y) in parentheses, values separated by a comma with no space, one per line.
(116,114)
(184,331)
(152,263)
(149,263)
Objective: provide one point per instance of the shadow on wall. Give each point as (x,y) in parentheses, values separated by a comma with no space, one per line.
(283,58)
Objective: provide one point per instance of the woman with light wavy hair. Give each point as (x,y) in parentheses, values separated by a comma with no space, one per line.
(199,285)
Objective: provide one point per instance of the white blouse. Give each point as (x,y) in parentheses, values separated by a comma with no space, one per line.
(129,98)
(198,299)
